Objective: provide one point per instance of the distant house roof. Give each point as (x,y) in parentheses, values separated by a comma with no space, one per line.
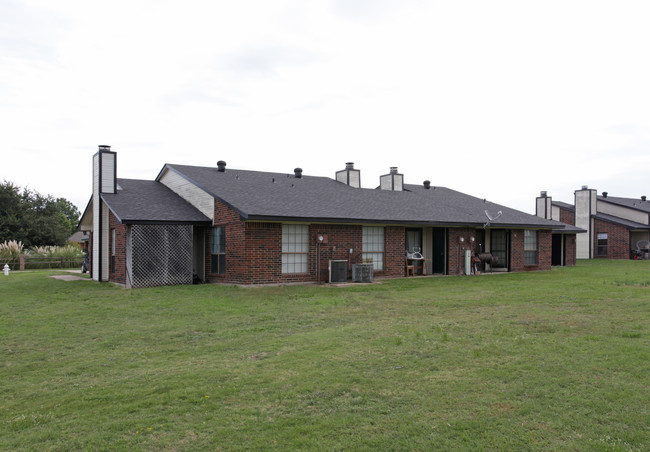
(621,221)
(79,237)
(633,203)
(268,196)
(145,201)
(569,229)
(564,205)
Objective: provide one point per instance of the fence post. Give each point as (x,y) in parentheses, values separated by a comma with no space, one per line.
(21,262)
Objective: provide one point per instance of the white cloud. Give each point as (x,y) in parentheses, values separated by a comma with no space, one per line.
(497,99)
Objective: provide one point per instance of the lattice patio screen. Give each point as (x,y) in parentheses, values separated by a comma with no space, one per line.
(161,255)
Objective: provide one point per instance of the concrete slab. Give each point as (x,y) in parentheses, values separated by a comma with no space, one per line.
(68,278)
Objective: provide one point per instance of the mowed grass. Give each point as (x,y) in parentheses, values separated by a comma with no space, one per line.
(526,361)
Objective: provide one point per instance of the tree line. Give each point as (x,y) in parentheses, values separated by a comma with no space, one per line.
(34,219)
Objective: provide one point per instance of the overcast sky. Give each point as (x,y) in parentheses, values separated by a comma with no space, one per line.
(497,99)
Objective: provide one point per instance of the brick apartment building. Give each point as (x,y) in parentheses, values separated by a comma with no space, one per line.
(615,226)
(216,224)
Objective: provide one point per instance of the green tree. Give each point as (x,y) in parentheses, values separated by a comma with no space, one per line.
(34,219)
(11,213)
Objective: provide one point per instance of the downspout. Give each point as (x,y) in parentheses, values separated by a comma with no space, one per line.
(318,261)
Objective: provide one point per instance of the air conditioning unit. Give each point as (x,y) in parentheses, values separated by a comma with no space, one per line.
(362,273)
(338,271)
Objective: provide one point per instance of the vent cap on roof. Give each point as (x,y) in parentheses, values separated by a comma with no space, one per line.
(427,184)
(605,194)
(221,166)
(298,173)
(643,198)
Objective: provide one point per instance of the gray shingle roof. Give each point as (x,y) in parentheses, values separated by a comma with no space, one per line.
(621,221)
(145,201)
(564,205)
(634,203)
(276,196)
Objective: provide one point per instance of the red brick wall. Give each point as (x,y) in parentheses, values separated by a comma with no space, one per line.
(118,273)
(544,251)
(236,258)
(254,250)
(341,239)
(618,240)
(456,249)
(394,251)
(567,216)
(569,249)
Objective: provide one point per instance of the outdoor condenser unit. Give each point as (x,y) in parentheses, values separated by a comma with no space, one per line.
(338,271)
(362,273)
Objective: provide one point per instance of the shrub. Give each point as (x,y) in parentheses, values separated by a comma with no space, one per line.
(11,250)
(68,251)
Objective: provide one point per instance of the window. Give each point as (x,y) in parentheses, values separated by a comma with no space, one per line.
(373,246)
(218,250)
(112,263)
(295,248)
(601,244)
(530,247)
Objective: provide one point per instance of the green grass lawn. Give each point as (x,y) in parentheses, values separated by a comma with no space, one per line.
(539,361)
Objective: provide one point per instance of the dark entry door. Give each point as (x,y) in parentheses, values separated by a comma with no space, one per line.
(499,247)
(439,247)
(556,250)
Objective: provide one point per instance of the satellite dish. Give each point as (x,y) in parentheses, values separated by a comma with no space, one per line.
(642,245)
(491,218)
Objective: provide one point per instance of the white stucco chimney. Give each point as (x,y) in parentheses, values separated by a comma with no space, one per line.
(392,181)
(349,176)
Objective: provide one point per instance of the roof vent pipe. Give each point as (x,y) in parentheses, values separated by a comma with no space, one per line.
(221,166)
(427,184)
(643,198)
(393,170)
(349,165)
(543,194)
(585,187)
(604,194)
(298,173)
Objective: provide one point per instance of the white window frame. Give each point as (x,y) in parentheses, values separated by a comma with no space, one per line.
(602,242)
(373,239)
(218,250)
(295,248)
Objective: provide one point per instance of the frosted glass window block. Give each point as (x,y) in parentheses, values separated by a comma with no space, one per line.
(530,247)
(295,248)
(373,246)
(294,263)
